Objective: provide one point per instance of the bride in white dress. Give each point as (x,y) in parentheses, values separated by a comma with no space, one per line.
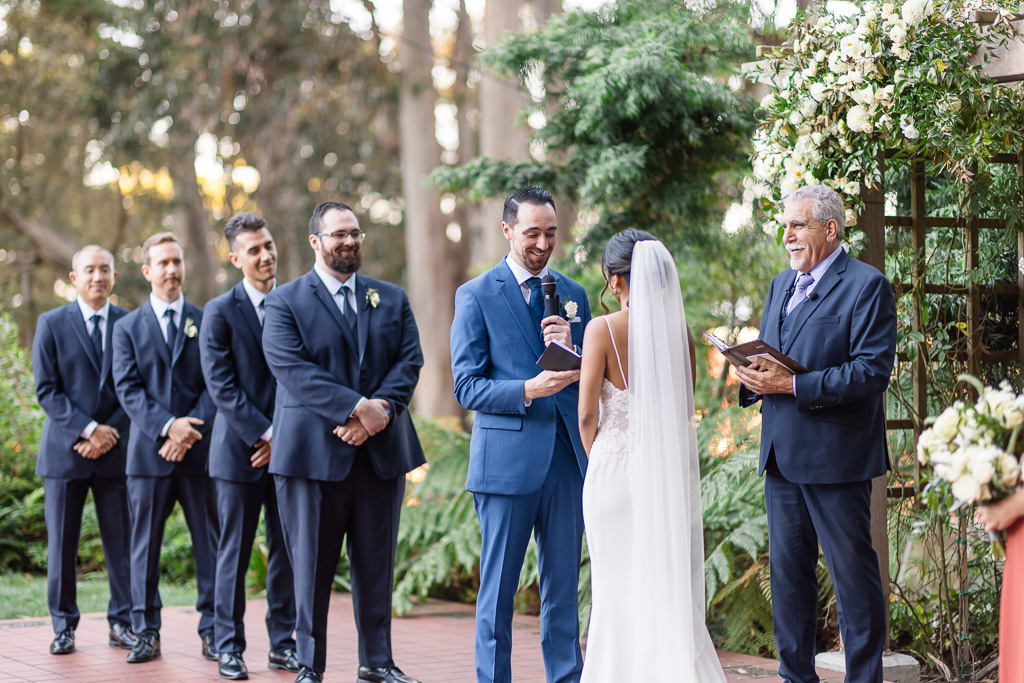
(641,496)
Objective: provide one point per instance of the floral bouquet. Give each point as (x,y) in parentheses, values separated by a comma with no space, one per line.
(974,450)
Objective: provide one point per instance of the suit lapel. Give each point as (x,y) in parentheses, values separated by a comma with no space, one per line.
(77,323)
(320,291)
(829,280)
(179,342)
(513,296)
(108,352)
(773,323)
(365,314)
(248,313)
(149,315)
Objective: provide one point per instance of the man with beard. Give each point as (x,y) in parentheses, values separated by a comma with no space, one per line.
(159,380)
(240,384)
(82,446)
(346,354)
(526,460)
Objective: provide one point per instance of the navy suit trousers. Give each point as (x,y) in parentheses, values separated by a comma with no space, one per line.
(839,517)
(151,500)
(239,506)
(64,503)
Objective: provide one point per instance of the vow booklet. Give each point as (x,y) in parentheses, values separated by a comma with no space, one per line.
(559,357)
(744,354)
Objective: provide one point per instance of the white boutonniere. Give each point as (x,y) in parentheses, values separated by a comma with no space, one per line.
(373,296)
(190,328)
(571,307)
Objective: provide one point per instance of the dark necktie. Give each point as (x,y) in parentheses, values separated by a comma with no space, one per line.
(261,311)
(97,336)
(350,315)
(172,329)
(536,299)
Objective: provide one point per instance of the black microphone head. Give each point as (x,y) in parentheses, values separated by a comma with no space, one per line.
(548,286)
(548,283)
(812,296)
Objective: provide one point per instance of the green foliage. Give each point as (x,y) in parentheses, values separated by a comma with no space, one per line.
(640,126)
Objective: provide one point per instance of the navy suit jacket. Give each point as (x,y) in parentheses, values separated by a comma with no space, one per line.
(323,370)
(155,385)
(75,387)
(833,430)
(495,344)
(239,382)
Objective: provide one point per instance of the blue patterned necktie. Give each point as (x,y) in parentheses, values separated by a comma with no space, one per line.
(803,281)
(536,299)
(172,329)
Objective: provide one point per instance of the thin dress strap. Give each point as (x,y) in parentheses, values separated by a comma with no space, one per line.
(616,349)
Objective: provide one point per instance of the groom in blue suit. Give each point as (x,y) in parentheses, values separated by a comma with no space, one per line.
(82,446)
(823,435)
(526,462)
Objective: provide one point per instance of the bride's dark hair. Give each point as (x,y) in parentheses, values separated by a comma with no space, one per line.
(618,256)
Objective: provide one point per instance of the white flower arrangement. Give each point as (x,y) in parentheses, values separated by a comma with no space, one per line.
(849,88)
(373,296)
(190,329)
(571,308)
(973,448)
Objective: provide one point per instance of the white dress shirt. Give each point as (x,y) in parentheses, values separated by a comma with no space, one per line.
(160,308)
(522,275)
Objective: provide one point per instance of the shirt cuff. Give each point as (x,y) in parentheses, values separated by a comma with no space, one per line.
(89,429)
(360,402)
(526,401)
(794,385)
(167,426)
(267,435)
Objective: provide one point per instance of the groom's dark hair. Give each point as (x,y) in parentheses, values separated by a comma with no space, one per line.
(617,258)
(525,195)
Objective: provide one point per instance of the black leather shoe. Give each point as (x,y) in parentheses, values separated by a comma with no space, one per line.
(209,651)
(307,675)
(146,649)
(231,667)
(64,643)
(284,659)
(385,674)
(122,636)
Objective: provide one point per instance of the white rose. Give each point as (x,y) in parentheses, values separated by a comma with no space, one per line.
(817,91)
(816,138)
(852,188)
(795,118)
(851,218)
(820,56)
(982,470)
(768,100)
(1009,470)
(909,131)
(898,34)
(811,71)
(888,9)
(1013,417)
(966,489)
(947,424)
(808,108)
(865,96)
(903,53)
(858,119)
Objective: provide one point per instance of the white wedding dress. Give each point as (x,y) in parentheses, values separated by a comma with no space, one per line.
(641,500)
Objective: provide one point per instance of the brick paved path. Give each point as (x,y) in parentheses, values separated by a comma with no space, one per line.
(434,644)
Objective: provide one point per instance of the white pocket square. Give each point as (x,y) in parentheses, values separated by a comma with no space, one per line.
(577,319)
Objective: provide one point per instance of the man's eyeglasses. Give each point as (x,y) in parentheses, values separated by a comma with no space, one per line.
(356,235)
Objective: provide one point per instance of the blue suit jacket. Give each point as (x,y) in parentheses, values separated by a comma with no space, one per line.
(323,370)
(75,387)
(833,430)
(239,382)
(155,385)
(495,344)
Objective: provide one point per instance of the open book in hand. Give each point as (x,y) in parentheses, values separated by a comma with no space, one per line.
(559,357)
(744,354)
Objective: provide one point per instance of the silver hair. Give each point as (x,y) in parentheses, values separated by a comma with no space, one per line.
(827,205)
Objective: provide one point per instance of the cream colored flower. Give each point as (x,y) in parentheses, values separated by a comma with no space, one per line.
(817,91)
(190,329)
(373,296)
(966,489)
(858,119)
(571,307)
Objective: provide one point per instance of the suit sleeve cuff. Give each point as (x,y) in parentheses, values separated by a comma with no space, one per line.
(360,402)
(89,429)
(167,426)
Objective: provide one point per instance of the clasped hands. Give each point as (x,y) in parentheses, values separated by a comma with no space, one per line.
(766,378)
(181,436)
(369,418)
(103,438)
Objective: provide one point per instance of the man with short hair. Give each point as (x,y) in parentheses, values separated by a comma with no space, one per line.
(823,435)
(526,461)
(242,388)
(346,354)
(159,380)
(82,445)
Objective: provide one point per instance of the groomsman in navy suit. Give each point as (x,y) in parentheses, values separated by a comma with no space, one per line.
(346,354)
(82,446)
(241,386)
(526,460)
(159,380)
(823,435)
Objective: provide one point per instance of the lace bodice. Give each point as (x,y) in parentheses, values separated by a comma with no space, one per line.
(612,422)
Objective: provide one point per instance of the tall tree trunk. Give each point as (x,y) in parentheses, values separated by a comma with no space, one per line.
(192,224)
(432,261)
(500,138)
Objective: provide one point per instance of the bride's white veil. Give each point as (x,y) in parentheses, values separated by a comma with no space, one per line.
(668,544)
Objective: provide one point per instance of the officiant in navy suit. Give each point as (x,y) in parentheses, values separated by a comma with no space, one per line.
(346,354)
(159,380)
(82,445)
(526,461)
(242,388)
(823,435)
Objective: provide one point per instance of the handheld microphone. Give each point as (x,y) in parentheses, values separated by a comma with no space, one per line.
(548,286)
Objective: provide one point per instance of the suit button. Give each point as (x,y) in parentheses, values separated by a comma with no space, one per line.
(552,417)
